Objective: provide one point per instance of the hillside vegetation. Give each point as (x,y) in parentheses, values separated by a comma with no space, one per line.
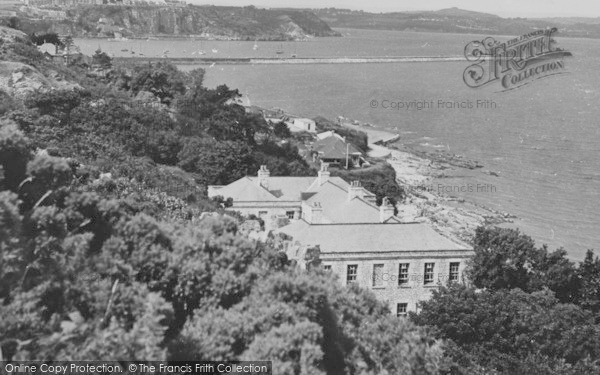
(110,249)
(454,20)
(234,23)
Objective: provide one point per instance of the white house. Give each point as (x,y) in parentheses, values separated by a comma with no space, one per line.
(302,125)
(323,199)
(402,263)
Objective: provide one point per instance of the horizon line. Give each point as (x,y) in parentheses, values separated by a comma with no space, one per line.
(538,16)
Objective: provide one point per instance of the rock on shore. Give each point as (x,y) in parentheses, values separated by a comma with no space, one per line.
(455,218)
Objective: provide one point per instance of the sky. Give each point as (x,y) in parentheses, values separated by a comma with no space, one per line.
(503,8)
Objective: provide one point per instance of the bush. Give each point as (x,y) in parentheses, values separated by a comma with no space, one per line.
(281,130)
(14,155)
(380,179)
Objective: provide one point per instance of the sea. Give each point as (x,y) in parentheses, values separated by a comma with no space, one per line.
(539,144)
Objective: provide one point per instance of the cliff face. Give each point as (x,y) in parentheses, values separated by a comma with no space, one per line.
(248,23)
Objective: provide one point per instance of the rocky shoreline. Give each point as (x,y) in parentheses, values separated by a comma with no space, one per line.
(455,218)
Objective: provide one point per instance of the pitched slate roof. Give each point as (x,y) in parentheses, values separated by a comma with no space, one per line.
(285,188)
(246,190)
(338,181)
(334,148)
(338,209)
(356,238)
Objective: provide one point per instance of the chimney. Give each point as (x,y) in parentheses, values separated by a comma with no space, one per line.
(355,190)
(324,173)
(263,176)
(386,210)
(315,213)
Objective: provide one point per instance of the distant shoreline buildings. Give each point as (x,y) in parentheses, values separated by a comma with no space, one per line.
(76,3)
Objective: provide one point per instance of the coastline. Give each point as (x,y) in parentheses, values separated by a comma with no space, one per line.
(455,218)
(287,60)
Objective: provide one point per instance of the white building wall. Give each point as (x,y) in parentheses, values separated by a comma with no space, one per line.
(305,124)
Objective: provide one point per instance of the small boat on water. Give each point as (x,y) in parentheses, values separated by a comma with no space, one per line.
(280,50)
(214,50)
(255,47)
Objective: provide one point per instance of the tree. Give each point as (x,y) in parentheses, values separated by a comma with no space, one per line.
(68,43)
(589,274)
(161,79)
(281,130)
(499,330)
(101,59)
(381,181)
(308,324)
(14,155)
(46,175)
(216,162)
(14,23)
(56,103)
(507,259)
(7,103)
(51,37)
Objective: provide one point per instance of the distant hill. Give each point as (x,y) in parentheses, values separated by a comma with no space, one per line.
(455,20)
(236,23)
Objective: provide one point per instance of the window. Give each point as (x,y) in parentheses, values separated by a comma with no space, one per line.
(289,214)
(378,275)
(403,274)
(351,273)
(428,275)
(262,213)
(327,267)
(453,275)
(401,309)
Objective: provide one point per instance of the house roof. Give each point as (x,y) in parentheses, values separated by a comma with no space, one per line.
(285,188)
(338,181)
(304,120)
(338,209)
(329,133)
(357,238)
(246,190)
(334,148)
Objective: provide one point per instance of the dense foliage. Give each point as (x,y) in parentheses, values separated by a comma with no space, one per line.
(87,274)
(379,179)
(105,251)
(100,259)
(529,311)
